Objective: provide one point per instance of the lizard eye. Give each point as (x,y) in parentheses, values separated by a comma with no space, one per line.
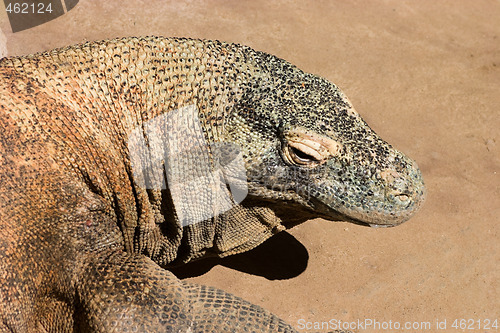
(308,149)
(300,154)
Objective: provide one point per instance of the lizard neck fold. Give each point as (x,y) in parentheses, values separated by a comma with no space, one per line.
(104,92)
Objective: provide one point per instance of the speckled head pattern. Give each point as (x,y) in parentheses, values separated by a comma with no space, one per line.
(304,142)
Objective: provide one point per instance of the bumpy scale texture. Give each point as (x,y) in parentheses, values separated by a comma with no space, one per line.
(83,247)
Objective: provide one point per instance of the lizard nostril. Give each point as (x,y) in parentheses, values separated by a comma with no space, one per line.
(399,196)
(403,197)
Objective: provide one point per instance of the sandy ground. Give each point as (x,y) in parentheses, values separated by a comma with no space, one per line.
(426,76)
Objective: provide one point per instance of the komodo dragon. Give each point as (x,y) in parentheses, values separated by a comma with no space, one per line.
(88,226)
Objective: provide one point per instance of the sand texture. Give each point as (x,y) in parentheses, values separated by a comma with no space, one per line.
(426,76)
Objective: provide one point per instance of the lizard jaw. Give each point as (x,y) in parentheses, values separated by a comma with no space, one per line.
(395,204)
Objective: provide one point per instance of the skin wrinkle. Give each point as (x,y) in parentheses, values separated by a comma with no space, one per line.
(318,146)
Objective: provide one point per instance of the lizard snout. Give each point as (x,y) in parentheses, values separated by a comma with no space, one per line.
(404,192)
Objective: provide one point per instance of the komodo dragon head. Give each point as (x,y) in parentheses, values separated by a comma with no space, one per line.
(301,147)
(304,143)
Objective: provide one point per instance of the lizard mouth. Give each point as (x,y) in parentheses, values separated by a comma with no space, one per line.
(381,225)
(397,195)
(333,215)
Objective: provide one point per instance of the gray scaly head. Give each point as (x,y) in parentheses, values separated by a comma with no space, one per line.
(303,142)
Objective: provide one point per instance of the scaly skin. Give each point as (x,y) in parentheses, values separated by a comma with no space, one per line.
(81,243)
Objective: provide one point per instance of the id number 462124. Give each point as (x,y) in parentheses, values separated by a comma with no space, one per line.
(475,324)
(28,8)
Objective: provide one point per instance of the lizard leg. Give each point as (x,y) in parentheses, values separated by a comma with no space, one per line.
(215,310)
(124,292)
(218,311)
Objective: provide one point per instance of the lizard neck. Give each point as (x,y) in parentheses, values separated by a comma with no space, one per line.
(173,100)
(110,93)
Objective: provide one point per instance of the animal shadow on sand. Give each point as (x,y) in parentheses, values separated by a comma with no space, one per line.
(278,258)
